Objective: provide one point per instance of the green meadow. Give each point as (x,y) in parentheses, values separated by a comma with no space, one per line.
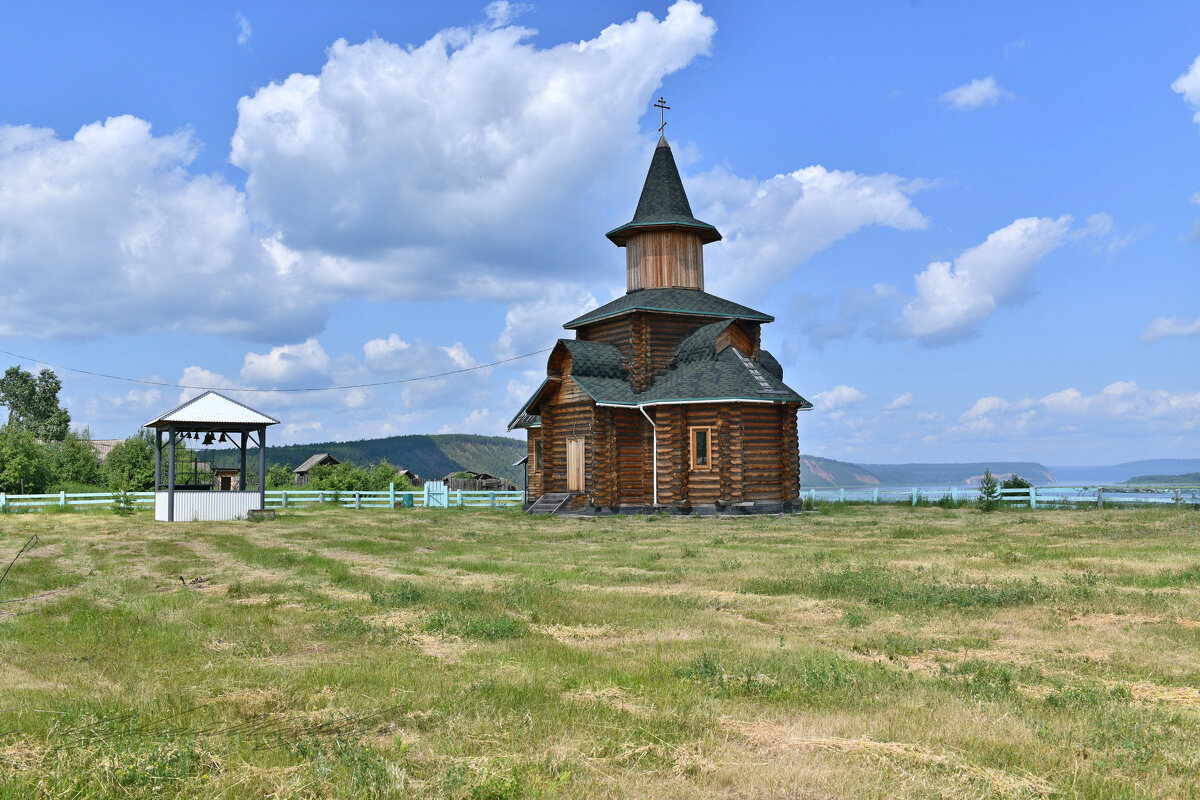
(857,652)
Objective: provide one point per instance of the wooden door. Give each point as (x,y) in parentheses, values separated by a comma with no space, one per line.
(574,465)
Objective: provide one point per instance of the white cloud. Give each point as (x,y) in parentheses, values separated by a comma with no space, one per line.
(1101,228)
(501,12)
(772,226)
(902,401)
(952,298)
(976,94)
(1164,327)
(1188,85)
(287,364)
(835,402)
(244,30)
(111,234)
(481,421)
(456,166)
(534,324)
(1119,405)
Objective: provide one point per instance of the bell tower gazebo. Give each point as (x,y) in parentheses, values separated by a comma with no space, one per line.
(213,415)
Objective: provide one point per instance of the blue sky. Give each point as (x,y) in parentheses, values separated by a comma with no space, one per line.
(977,225)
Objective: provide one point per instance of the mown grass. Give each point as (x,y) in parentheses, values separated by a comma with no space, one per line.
(860,652)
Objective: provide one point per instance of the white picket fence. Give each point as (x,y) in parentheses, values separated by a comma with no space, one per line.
(1033,497)
(426,497)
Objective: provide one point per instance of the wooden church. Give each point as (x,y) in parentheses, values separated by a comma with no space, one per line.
(664,400)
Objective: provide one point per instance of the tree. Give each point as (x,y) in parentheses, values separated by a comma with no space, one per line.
(25,465)
(130,465)
(75,460)
(989,492)
(32,403)
(280,476)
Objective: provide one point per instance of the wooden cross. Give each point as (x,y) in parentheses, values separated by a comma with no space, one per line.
(663,108)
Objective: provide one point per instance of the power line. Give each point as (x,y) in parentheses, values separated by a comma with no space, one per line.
(306,389)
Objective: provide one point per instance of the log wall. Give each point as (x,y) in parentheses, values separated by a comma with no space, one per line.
(535,475)
(664,260)
(569,414)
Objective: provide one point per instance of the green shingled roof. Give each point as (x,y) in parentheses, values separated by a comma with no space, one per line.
(701,344)
(598,359)
(727,376)
(663,203)
(677,301)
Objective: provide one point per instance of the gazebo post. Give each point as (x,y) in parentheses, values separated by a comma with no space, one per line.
(242,480)
(171,474)
(262,467)
(157,458)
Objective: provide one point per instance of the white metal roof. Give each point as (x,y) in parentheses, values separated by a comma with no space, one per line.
(211,408)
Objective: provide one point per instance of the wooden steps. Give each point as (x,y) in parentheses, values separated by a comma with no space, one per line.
(550,503)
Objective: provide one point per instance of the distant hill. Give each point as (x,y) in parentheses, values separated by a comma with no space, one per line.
(429,456)
(817,472)
(957,474)
(1119,473)
(1186,479)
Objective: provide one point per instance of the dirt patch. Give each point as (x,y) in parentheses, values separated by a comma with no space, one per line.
(443,648)
(20,756)
(1112,620)
(575,634)
(774,737)
(611,696)
(1178,696)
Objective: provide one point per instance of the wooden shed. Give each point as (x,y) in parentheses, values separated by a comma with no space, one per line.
(319,460)
(664,399)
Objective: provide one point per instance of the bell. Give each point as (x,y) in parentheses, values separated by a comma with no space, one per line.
(208,438)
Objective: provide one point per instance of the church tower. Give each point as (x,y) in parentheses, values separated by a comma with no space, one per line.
(664,242)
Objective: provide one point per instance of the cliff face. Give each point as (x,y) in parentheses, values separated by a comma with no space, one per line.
(817,473)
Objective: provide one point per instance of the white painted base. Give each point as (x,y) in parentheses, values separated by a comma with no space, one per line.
(207,506)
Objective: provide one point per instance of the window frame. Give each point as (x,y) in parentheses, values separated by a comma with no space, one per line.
(537,454)
(708,440)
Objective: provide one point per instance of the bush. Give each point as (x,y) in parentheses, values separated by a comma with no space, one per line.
(1016,482)
(348,477)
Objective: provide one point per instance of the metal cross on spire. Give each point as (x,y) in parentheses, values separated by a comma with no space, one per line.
(663,108)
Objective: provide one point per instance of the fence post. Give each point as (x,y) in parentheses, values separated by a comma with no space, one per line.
(460,498)
(954,494)
(812,495)
(3,500)
(1177,498)
(914,495)
(493,500)
(321,497)
(841,495)
(391,495)
(62,498)
(283,498)
(1100,497)
(1033,497)
(875,497)
(357,502)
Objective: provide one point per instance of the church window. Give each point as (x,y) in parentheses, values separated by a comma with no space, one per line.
(701,448)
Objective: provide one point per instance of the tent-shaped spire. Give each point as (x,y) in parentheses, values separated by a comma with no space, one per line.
(663,203)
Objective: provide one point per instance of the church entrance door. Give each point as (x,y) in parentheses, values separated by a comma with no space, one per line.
(574,465)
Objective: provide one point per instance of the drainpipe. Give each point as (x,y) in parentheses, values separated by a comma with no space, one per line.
(653,428)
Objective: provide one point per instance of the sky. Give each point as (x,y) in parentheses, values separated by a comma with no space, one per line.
(977,224)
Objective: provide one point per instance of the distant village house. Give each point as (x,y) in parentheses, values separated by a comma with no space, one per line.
(319,460)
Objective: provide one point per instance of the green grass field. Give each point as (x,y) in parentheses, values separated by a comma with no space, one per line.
(881,652)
